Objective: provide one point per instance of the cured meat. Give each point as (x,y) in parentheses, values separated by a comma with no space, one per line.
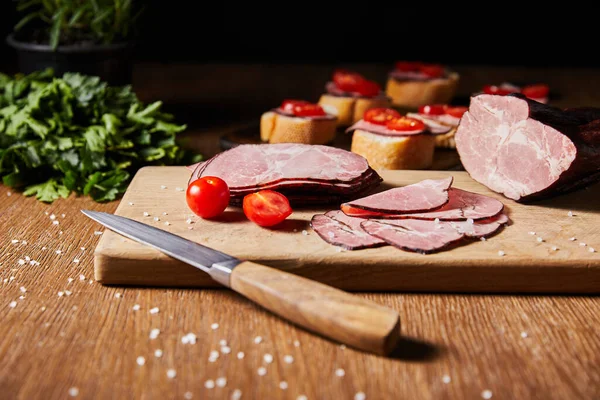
(437,124)
(419,197)
(527,150)
(382,129)
(332,89)
(429,236)
(461,205)
(340,230)
(255,165)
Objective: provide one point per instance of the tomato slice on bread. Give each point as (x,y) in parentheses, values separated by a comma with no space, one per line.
(456,111)
(380,116)
(536,91)
(433,109)
(498,90)
(266,207)
(368,88)
(346,80)
(432,70)
(405,124)
(302,108)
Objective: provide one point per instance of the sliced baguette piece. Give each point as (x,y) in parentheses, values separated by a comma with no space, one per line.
(394,152)
(350,109)
(277,128)
(446,140)
(413,93)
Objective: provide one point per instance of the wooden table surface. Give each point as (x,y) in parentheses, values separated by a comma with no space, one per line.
(88,342)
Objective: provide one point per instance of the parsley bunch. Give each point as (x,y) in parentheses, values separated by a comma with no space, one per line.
(76,133)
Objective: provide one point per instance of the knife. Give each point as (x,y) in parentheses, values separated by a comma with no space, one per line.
(321,309)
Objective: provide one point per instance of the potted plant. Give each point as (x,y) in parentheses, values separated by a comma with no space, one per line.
(92,37)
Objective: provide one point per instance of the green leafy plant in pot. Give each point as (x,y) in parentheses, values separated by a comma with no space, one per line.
(92,37)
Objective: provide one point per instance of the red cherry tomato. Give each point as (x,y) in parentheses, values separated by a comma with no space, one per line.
(457,111)
(346,80)
(380,116)
(405,124)
(493,89)
(537,91)
(302,108)
(368,88)
(208,196)
(433,109)
(408,66)
(432,70)
(266,207)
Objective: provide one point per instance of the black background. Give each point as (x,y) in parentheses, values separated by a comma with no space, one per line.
(252,32)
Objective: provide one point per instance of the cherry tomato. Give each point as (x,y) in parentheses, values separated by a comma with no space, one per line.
(537,91)
(302,108)
(266,207)
(208,196)
(433,109)
(405,124)
(380,116)
(346,80)
(408,66)
(432,70)
(368,88)
(493,89)
(457,111)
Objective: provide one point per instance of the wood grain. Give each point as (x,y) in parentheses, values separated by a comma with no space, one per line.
(91,339)
(322,309)
(475,266)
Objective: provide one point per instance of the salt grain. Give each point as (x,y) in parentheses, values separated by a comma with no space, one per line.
(22,289)
(73,392)
(15,241)
(342,346)
(258,339)
(9,194)
(158,353)
(141,360)
(68,292)
(582,244)
(483,239)
(156,219)
(262,371)
(130,203)
(437,220)
(188,395)
(146,214)
(154,310)
(53,217)
(523,334)
(12,304)
(163,187)
(240,355)
(302,397)
(154,333)
(165,213)
(27,258)
(55,222)
(572,239)
(98,233)
(470,221)
(83,249)
(539,239)
(304,232)
(118,295)
(189,220)
(214,326)
(268,358)
(222,342)
(486,394)
(340,372)
(288,359)
(501,253)
(446,379)
(167,223)
(179,189)
(21,297)
(21,262)
(171,373)
(82,277)
(60,294)
(532,233)
(360,396)
(554,248)
(236,395)
(225,350)
(135,307)
(209,384)
(283,385)
(59,252)
(221,382)
(76,260)
(591,250)
(296,343)
(570,213)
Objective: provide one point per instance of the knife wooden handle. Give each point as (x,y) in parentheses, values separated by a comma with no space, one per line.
(328,311)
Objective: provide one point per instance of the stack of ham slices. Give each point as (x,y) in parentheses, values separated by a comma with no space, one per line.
(423,217)
(306,174)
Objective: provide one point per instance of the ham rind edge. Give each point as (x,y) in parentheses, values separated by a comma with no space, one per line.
(527,150)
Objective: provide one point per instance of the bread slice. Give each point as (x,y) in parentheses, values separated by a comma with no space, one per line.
(446,140)
(277,128)
(350,109)
(394,152)
(413,93)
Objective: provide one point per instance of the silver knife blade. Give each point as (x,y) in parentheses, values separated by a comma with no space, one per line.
(208,260)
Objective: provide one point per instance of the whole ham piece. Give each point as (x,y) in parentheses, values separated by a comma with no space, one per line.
(527,150)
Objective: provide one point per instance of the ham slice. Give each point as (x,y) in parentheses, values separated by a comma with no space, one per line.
(338,229)
(429,236)
(423,196)
(382,129)
(527,150)
(460,206)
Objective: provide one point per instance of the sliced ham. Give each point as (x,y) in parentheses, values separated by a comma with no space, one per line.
(423,196)
(255,165)
(424,236)
(435,125)
(340,230)
(527,150)
(332,89)
(461,205)
(383,130)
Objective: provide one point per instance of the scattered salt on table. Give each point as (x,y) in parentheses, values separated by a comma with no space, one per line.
(570,213)
(98,233)
(258,339)
(22,289)
(262,371)
(302,397)
(214,326)
(163,187)
(486,394)
(188,395)
(501,253)
(446,379)
(360,396)
(141,360)
(236,395)
(68,292)
(304,232)
(158,353)
(288,359)
(12,304)
(154,310)
(221,382)
(283,385)
(524,334)
(554,248)
(209,384)
(532,233)
(268,358)
(572,239)
(582,244)
(340,372)
(240,355)
(146,214)
(73,392)
(225,350)
(154,333)
(171,373)
(118,295)
(539,239)
(82,277)
(591,250)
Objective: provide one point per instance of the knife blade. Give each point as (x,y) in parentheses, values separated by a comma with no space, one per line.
(321,309)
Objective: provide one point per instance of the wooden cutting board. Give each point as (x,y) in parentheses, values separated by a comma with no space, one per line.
(527,266)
